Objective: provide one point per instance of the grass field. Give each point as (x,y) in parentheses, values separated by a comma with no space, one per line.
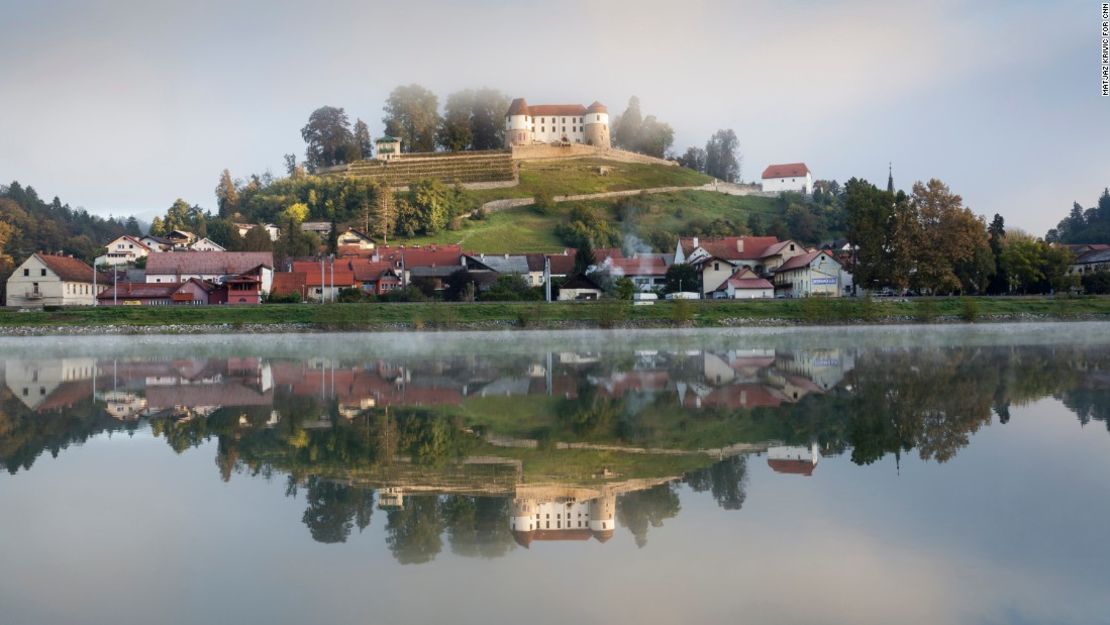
(432,315)
(523,230)
(579,176)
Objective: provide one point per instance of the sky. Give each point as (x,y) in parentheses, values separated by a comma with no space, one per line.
(122,107)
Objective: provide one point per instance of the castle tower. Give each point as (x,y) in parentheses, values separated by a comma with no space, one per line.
(518,124)
(597,125)
(603,510)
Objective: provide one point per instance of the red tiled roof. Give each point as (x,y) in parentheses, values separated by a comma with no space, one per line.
(640,265)
(139,290)
(422,255)
(746,279)
(793,467)
(556,109)
(339,274)
(561,264)
(731,248)
(67,268)
(597,107)
(367,270)
(803,260)
(287,282)
(786,170)
(207,263)
(518,106)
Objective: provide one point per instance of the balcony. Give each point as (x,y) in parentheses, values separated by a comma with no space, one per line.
(36,294)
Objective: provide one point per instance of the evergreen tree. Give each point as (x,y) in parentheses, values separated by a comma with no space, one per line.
(362,140)
(227,196)
(721,156)
(627,132)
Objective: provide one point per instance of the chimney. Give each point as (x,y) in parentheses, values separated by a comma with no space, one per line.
(695,241)
(740,244)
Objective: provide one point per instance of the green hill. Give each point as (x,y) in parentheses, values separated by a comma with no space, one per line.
(523,229)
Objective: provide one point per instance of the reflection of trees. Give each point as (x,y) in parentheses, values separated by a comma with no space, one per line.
(334,508)
(726,480)
(25,434)
(643,508)
(478,526)
(413,533)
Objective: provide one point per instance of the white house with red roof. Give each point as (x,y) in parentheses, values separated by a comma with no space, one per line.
(744,284)
(51,280)
(718,259)
(556,123)
(124,250)
(788,177)
(793,460)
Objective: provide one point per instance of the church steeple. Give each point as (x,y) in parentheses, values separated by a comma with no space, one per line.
(890,177)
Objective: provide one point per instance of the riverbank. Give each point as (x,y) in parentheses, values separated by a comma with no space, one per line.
(285,318)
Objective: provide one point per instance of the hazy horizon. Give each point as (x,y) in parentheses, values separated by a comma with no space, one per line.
(122,107)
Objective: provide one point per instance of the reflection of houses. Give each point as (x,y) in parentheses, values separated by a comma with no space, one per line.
(45,385)
(547,514)
(793,460)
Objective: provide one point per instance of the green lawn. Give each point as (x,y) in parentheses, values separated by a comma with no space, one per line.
(610,313)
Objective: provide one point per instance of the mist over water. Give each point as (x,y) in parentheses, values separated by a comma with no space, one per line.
(839,475)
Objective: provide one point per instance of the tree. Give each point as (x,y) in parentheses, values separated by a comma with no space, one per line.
(362,140)
(999,282)
(329,138)
(296,213)
(455,133)
(655,138)
(227,195)
(157,228)
(257,240)
(584,257)
(681,277)
(626,134)
(487,119)
(412,114)
(694,159)
(870,214)
(721,160)
(431,201)
(385,213)
(952,236)
(132,227)
(625,288)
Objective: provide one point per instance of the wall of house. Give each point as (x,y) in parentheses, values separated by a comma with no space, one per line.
(821,278)
(713,274)
(750,293)
(50,289)
(575,294)
(799,184)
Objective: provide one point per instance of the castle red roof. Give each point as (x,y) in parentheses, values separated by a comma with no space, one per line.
(597,107)
(556,109)
(519,106)
(787,170)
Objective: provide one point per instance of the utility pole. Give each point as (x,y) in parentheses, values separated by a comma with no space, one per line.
(547,277)
(321,279)
(115,288)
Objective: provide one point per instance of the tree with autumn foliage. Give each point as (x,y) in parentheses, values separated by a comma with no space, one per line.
(954,250)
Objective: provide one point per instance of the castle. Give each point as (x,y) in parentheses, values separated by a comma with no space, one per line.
(556,123)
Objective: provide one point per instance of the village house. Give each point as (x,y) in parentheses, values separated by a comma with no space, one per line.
(192,292)
(180,239)
(271,230)
(124,250)
(323,279)
(744,284)
(387,148)
(788,177)
(43,385)
(321,228)
(647,271)
(793,460)
(352,240)
(217,267)
(51,280)
(717,259)
(579,287)
(205,244)
(1089,258)
(810,274)
(156,243)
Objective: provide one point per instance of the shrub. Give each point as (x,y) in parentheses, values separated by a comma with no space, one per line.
(611,313)
(925,309)
(682,313)
(544,204)
(969,309)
